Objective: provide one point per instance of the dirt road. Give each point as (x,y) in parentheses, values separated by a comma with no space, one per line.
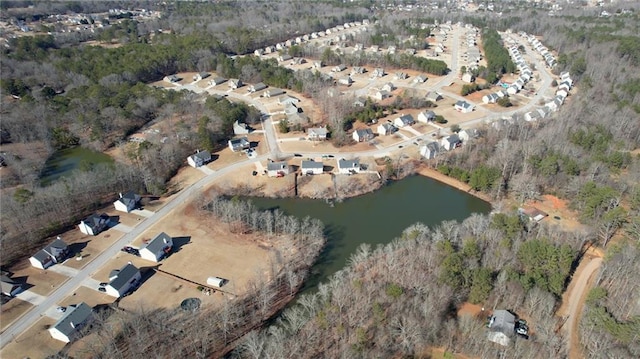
(574,300)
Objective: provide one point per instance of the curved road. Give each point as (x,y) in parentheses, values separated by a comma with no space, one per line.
(73,283)
(576,302)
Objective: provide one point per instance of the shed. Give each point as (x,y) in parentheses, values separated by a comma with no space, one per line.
(216,281)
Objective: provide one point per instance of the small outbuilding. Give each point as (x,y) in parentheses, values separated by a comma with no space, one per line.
(216,282)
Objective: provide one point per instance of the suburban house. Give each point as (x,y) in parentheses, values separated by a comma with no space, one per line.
(356,70)
(378,72)
(235,84)
(563,93)
(490,98)
(339,68)
(502,326)
(284,57)
(317,133)
(278,169)
(386,128)
(239,144)
(348,166)
(388,87)
(363,135)
(450,142)
(217,81)
(463,106)
(94,224)
(258,52)
(311,167)
(381,95)
(401,76)
(468,78)
(317,64)
(403,121)
(532,213)
(513,89)
(287,99)
(391,50)
(9,286)
(200,75)
(434,96)
(426,116)
(172,78)
(430,150)
(298,61)
(420,79)
(347,80)
(157,248)
(410,51)
(298,118)
(241,128)
(273,92)
(122,280)
(199,158)
(127,202)
(359,102)
(55,252)
(466,135)
(257,87)
(532,116)
(74,319)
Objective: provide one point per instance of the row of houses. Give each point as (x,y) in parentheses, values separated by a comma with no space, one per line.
(548,57)
(525,72)
(554,104)
(447,143)
(358,25)
(311,167)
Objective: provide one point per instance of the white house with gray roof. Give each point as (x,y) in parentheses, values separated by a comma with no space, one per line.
(501,327)
(94,224)
(127,202)
(239,144)
(74,319)
(311,167)
(199,158)
(317,133)
(122,280)
(278,169)
(157,248)
(55,252)
(348,166)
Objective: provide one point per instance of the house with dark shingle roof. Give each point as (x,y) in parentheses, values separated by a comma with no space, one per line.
(348,166)
(127,202)
(9,286)
(55,252)
(501,327)
(122,280)
(74,319)
(157,248)
(278,169)
(199,158)
(94,224)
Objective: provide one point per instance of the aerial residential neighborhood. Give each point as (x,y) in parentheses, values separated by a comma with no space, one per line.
(152,159)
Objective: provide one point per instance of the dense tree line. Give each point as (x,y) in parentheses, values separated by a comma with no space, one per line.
(401,298)
(498,59)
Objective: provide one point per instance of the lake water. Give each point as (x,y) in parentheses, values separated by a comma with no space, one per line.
(65,161)
(376,218)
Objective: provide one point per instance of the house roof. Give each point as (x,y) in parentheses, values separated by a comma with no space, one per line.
(433,146)
(123,276)
(75,315)
(432,95)
(96,220)
(388,126)
(239,141)
(452,138)
(364,132)
(463,104)
(7,284)
(342,163)
(317,131)
(311,165)
(406,119)
(503,322)
(129,198)
(259,86)
(55,249)
(203,155)
(158,243)
(275,166)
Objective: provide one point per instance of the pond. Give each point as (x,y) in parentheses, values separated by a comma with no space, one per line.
(63,162)
(376,218)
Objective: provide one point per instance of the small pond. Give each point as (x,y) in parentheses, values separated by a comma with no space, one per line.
(63,162)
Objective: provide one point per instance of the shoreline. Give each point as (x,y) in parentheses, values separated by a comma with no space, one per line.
(452,182)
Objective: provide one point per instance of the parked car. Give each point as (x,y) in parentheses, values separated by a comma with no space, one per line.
(61,309)
(103,284)
(297,155)
(102,289)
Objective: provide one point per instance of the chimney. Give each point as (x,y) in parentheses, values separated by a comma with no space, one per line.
(72,325)
(120,194)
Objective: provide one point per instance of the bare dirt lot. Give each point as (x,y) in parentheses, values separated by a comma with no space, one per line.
(12,310)
(36,342)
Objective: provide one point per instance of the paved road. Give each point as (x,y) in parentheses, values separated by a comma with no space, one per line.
(29,318)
